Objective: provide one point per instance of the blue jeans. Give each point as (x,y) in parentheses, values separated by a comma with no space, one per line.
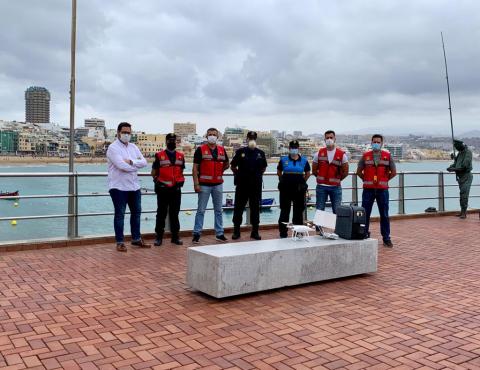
(335,194)
(120,200)
(381,196)
(217,197)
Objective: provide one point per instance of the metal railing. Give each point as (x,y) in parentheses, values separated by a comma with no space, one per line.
(74,215)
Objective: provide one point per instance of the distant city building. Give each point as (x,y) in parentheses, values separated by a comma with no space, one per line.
(81,132)
(149,144)
(396,150)
(297,134)
(8,141)
(96,127)
(266,142)
(37,105)
(94,122)
(184,129)
(233,136)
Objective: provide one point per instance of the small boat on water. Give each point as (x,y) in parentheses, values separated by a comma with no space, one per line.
(4,194)
(265,204)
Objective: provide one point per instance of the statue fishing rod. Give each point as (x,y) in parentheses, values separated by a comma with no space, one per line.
(448,91)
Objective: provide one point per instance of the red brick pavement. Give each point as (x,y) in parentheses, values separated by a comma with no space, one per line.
(92,307)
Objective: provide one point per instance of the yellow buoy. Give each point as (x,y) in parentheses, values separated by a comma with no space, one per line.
(15,204)
(13,222)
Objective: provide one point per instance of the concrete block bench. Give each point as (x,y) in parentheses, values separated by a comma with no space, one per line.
(238,268)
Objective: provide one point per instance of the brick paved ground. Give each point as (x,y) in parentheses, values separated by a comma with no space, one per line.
(91,307)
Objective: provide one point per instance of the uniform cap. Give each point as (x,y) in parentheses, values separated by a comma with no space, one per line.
(252,135)
(294,144)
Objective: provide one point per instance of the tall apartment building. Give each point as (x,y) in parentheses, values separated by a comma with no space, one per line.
(94,122)
(184,129)
(37,105)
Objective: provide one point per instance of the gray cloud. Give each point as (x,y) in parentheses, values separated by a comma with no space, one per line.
(272,62)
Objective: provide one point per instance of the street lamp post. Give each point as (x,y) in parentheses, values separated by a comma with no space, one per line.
(72,220)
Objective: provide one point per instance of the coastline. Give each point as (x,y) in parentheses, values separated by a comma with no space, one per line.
(47,160)
(27,160)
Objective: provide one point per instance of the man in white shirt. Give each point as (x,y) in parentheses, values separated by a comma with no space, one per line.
(330,167)
(124,161)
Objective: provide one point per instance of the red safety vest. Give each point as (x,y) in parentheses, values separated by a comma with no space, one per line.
(211,170)
(330,173)
(376,177)
(170,174)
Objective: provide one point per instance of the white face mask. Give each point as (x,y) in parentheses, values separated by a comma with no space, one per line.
(329,142)
(252,144)
(212,139)
(125,138)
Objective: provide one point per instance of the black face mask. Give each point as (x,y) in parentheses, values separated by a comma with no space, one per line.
(171,146)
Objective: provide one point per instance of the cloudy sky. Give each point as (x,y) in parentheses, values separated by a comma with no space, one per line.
(306,65)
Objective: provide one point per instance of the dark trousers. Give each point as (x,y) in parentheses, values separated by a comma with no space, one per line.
(464,183)
(381,196)
(251,193)
(168,201)
(120,200)
(291,194)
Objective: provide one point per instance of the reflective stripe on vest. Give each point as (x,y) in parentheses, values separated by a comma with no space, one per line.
(170,174)
(376,176)
(329,173)
(211,169)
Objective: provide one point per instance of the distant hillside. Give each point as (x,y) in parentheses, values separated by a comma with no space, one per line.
(469,134)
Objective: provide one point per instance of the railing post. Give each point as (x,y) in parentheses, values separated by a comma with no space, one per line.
(401,193)
(441,192)
(75,232)
(355,189)
(72,228)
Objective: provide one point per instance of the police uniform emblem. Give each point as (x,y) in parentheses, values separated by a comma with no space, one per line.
(243,155)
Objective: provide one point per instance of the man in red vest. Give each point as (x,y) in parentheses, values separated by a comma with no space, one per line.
(375,169)
(330,167)
(209,162)
(167,173)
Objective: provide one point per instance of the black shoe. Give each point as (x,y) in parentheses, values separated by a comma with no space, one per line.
(236,233)
(176,241)
(255,235)
(221,238)
(388,243)
(140,243)
(196,238)
(366,236)
(283,235)
(157,242)
(463,215)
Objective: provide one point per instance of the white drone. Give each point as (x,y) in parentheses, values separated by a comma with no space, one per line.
(299,232)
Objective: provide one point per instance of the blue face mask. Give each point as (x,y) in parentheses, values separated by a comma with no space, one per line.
(376,146)
(293,151)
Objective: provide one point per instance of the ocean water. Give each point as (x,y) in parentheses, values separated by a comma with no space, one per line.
(103,225)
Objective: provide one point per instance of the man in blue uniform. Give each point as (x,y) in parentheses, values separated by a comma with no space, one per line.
(248,165)
(293,171)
